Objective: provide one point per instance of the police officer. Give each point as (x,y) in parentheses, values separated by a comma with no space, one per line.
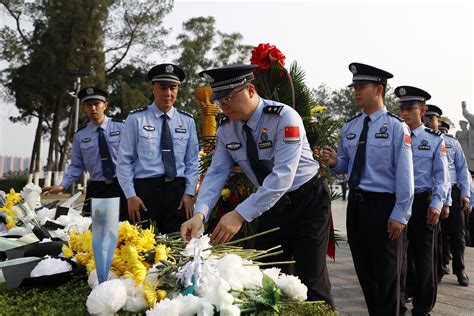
(453,226)
(431,189)
(471,215)
(158,160)
(375,150)
(268,141)
(95,148)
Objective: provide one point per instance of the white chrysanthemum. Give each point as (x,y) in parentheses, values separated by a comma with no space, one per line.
(273,273)
(50,266)
(136,301)
(292,286)
(231,268)
(229,310)
(205,309)
(93,281)
(107,298)
(190,305)
(45,214)
(165,307)
(218,293)
(31,194)
(19,231)
(197,245)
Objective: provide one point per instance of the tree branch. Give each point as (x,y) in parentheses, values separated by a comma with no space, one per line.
(17,20)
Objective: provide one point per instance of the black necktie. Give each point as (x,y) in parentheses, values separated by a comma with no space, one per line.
(261,168)
(359,160)
(108,166)
(167,149)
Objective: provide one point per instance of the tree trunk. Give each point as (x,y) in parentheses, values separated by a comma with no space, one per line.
(53,140)
(35,163)
(65,148)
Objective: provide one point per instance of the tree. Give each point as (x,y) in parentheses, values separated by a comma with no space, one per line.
(200,46)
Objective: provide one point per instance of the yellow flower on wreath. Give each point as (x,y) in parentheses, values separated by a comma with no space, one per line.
(318,109)
(225,193)
(153,294)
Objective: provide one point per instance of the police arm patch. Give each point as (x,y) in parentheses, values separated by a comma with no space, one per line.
(292,135)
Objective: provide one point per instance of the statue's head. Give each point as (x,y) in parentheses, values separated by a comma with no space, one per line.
(463,124)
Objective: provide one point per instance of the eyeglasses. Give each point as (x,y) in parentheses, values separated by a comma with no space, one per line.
(226,100)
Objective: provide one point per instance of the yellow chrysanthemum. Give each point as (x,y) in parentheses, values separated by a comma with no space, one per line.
(86,242)
(84,258)
(90,266)
(161,253)
(10,222)
(127,233)
(152,294)
(146,240)
(67,252)
(225,193)
(139,272)
(317,109)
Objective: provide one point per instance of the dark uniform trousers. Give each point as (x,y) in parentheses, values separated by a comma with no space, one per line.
(303,217)
(377,259)
(162,199)
(102,189)
(453,233)
(419,270)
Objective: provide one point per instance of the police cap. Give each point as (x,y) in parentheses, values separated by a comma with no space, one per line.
(433,110)
(223,80)
(92,94)
(166,74)
(408,95)
(362,74)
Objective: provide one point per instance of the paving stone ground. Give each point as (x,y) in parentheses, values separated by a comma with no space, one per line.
(452,298)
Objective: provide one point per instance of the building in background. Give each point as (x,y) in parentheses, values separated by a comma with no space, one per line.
(10,164)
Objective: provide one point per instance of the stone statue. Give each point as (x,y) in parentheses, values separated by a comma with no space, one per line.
(466,136)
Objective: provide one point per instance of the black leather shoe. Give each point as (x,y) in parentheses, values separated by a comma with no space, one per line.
(445,269)
(462,278)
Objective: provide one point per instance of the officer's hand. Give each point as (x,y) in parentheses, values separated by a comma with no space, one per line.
(191,227)
(53,189)
(330,155)
(432,216)
(188,203)
(227,227)
(134,205)
(394,229)
(445,212)
(465,205)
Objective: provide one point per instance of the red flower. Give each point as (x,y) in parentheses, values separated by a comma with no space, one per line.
(234,199)
(265,54)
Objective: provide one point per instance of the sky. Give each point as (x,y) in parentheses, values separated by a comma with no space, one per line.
(427,44)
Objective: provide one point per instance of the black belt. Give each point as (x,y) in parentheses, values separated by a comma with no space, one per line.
(106,182)
(362,196)
(422,195)
(160,179)
(305,188)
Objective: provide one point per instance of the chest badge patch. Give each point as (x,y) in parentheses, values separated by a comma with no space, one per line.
(382,132)
(114,133)
(180,130)
(86,140)
(233,146)
(264,135)
(424,145)
(350,136)
(149,128)
(265,144)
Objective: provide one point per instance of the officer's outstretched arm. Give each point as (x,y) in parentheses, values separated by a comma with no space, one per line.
(191,228)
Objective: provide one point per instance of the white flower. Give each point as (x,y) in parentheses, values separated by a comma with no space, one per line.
(205,309)
(93,281)
(50,266)
(31,194)
(197,246)
(292,286)
(165,307)
(45,214)
(273,273)
(107,298)
(231,268)
(218,293)
(136,301)
(190,305)
(19,231)
(229,310)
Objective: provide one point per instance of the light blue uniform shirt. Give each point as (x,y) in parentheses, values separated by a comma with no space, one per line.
(458,169)
(389,162)
(471,202)
(430,164)
(140,151)
(274,127)
(85,150)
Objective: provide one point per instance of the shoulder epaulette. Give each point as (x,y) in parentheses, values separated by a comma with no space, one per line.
(82,127)
(223,120)
(185,113)
(396,116)
(138,110)
(118,120)
(449,135)
(354,117)
(429,130)
(272,109)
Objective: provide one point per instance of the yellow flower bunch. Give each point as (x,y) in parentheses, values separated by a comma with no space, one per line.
(11,199)
(318,109)
(153,293)
(136,251)
(225,193)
